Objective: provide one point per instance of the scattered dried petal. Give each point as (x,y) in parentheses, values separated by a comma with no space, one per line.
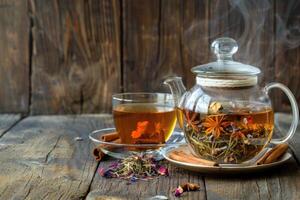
(113,165)
(178,191)
(163,171)
(133,179)
(185,188)
(106,173)
(101,171)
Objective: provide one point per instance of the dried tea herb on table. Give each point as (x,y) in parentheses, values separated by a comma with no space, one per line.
(186,187)
(134,168)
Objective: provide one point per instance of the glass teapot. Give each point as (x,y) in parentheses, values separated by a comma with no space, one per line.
(226,117)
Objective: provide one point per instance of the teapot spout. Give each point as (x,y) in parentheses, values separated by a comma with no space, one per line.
(177,88)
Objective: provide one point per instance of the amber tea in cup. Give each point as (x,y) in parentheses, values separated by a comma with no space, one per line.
(144,118)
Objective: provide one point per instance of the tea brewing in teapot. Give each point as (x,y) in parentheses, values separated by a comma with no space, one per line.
(229,137)
(226,117)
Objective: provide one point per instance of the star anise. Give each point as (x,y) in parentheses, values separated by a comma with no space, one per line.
(214,125)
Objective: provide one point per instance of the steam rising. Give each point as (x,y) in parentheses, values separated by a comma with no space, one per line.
(260,27)
(288,32)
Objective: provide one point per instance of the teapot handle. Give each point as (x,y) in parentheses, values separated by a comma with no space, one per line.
(295,111)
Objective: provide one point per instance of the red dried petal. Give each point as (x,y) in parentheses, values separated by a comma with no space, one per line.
(178,191)
(163,171)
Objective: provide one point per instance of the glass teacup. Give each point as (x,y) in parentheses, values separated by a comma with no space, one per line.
(144,118)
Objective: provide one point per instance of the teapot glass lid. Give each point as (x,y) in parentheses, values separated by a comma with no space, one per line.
(224,48)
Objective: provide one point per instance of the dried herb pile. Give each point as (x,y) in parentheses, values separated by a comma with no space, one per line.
(134,168)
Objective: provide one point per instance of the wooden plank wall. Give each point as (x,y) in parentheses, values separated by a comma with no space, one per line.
(76,56)
(70,56)
(14,56)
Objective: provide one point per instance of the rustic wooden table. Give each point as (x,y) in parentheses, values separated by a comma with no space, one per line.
(40,159)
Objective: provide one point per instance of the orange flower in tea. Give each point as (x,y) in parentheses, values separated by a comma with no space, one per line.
(214,125)
(191,121)
(247,123)
(157,127)
(140,129)
(140,123)
(238,135)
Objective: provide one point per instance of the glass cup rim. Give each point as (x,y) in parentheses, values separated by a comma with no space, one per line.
(95,137)
(121,96)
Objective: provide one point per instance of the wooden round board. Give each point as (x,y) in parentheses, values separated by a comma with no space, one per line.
(223,168)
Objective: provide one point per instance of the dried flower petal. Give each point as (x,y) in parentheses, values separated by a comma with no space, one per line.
(157,127)
(133,179)
(185,188)
(113,165)
(140,129)
(101,171)
(215,107)
(106,173)
(214,125)
(163,171)
(178,191)
(191,121)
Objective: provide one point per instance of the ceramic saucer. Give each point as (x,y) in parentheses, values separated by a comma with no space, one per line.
(222,168)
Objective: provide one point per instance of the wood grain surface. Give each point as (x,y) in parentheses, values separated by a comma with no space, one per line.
(67,56)
(167,39)
(7,121)
(279,183)
(146,189)
(41,159)
(76,57)
(252,24)
(141,45)
(14,56)
(195,46)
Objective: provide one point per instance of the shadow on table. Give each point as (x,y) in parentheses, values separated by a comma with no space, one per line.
(287,169)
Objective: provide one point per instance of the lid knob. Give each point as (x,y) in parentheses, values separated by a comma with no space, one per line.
(224,48)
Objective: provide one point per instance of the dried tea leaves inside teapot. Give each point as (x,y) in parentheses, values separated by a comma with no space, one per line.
(215,107)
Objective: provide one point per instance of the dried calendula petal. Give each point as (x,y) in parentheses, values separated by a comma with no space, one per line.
(185,188)
(215,107)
